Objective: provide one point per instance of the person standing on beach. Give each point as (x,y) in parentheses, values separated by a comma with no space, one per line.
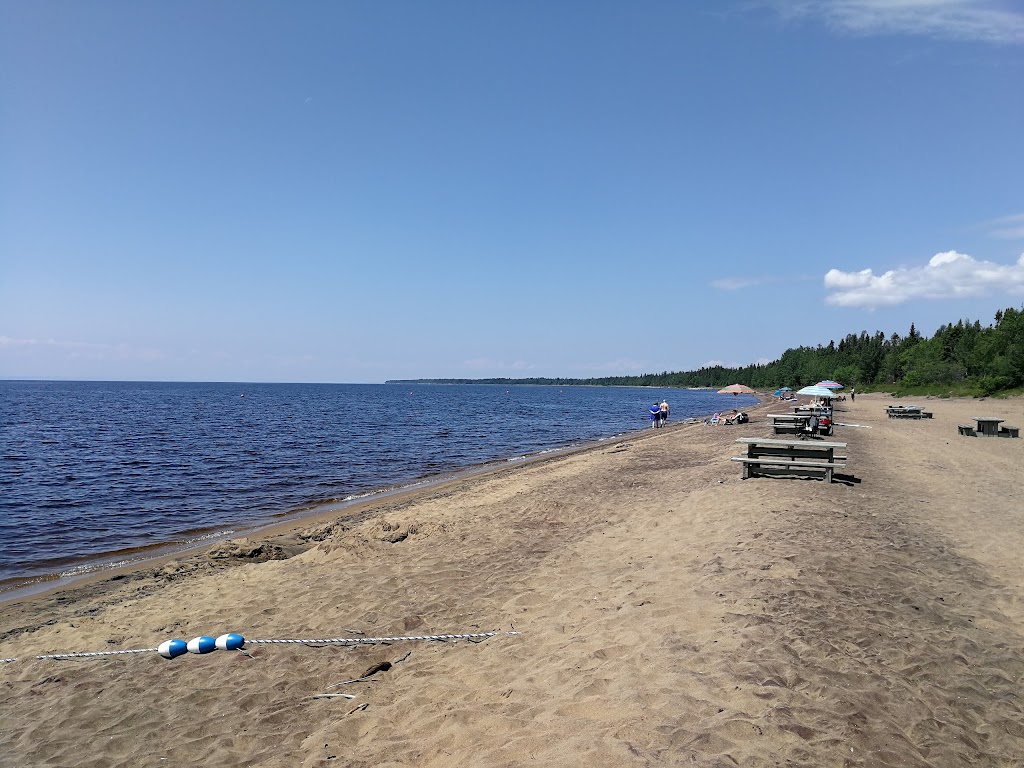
(655,415)
(664,412)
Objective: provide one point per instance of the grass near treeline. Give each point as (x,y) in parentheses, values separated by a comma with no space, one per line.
(965,390)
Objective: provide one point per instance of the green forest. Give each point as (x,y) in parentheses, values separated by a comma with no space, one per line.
(962,358)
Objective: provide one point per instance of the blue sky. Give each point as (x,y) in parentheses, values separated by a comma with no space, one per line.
(357,191)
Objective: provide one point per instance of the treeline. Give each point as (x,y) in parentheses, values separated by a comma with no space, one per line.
(963,358)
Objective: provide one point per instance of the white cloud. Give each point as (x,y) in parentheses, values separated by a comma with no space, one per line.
(1008,227)
(981,20)
(947,275)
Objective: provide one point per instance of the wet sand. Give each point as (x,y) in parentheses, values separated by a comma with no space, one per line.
(671,613)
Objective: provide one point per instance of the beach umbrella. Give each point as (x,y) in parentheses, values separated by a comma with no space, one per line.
(829,384)
(781,390)
(816,391)
(737,389)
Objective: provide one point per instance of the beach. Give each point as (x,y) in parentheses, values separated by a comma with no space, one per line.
(665,612)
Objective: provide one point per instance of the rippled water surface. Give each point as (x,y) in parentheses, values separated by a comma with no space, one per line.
(92,470)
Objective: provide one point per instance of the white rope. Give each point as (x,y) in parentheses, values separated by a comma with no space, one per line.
(322,641)
(94,653)
(372,640)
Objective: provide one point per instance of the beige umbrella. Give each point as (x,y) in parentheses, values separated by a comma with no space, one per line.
(737,389)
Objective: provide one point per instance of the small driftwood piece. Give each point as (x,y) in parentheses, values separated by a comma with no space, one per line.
(383,666)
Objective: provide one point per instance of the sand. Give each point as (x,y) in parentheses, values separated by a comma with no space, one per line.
(671,614)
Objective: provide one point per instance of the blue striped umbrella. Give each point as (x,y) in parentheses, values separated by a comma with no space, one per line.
(816,391)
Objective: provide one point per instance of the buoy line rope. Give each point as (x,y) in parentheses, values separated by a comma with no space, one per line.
(95,653)
(371,640)
(232,642)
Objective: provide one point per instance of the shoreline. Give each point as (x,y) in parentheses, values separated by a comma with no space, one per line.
(59,566)
(297,534)
(281,530)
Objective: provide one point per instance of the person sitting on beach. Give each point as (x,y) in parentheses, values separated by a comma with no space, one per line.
(655,414)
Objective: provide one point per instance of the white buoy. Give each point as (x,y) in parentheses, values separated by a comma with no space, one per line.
(202,644)
(232,641)
(171,648)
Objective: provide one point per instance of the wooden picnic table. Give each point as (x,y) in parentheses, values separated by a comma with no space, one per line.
(796,423)
(794,418)
(988,426)
(773,456)
(789,423)
(907,412)
(817,410)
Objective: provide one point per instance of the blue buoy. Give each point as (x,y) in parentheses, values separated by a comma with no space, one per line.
(202,644)
(171,648)
(232,641)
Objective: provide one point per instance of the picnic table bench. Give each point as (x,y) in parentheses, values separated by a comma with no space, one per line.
(768,456)
(789,423)
(988,426)
(795,424)
(907,412)
(817,410)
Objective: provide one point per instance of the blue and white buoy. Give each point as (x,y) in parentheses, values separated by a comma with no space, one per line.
(202,644)
(232,641)
(171,648)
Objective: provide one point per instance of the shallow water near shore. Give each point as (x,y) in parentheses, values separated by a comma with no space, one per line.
(96,473)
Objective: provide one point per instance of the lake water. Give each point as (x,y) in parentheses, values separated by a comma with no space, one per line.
(96,474)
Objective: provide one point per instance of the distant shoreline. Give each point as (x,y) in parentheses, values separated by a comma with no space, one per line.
(532,383)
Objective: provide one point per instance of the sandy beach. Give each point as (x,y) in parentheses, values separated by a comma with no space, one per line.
(670,613)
